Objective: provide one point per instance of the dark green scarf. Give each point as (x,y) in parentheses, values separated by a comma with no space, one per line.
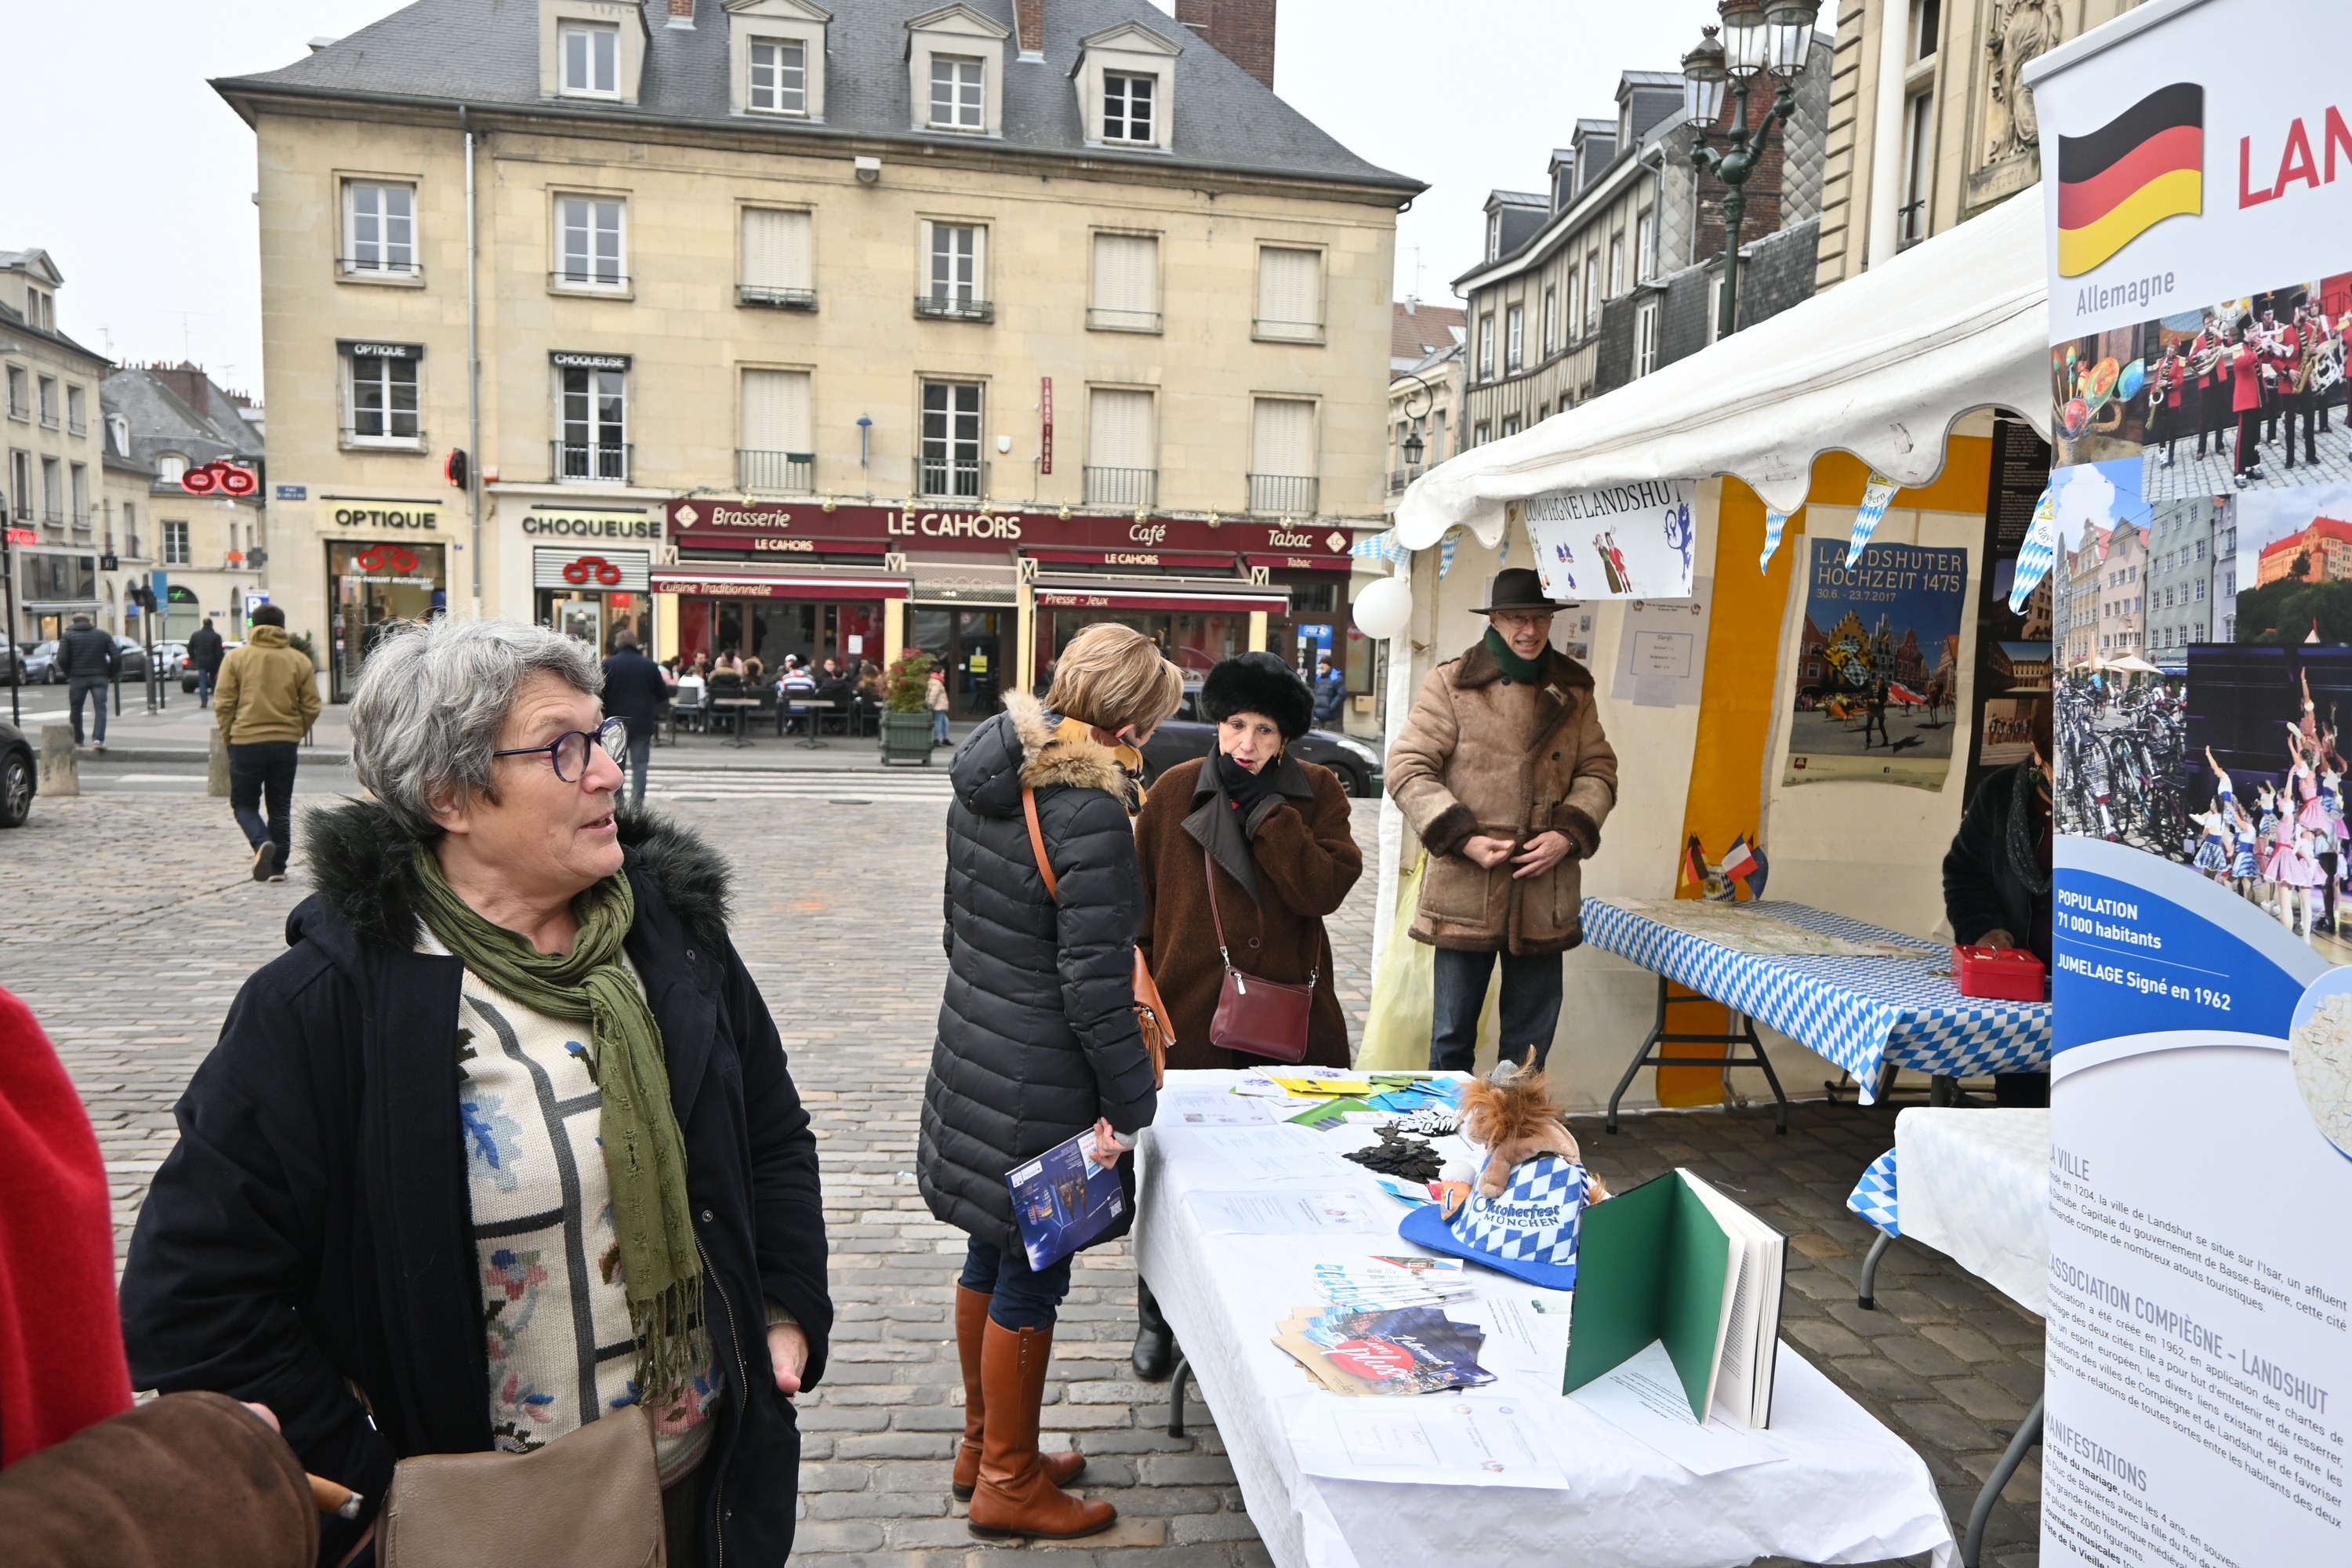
(644,1154)
(1525,671)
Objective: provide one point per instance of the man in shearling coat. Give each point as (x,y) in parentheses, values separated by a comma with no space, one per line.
(1503,771)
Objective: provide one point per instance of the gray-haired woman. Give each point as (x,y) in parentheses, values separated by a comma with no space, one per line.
(505,1144)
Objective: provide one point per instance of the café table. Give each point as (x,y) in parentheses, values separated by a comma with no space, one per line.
(814,709)
(1840,1486)
(737,707)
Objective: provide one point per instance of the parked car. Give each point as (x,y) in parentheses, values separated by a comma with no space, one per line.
(133,658)
(12,662)
(1188,735)
(41,664)
(188,672)
(19,776)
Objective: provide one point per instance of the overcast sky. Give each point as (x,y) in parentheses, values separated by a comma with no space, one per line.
(139,181)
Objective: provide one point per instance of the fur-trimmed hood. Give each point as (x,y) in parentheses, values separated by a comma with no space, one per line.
(1023,747)
(359,857)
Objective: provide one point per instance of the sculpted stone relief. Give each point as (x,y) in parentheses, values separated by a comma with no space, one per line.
(2019,30)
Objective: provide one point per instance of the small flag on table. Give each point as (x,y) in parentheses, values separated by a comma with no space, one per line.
(1745,863)
(1694,864)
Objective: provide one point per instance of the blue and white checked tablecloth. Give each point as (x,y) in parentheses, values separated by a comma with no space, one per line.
(1857,1012)
(1873,1197)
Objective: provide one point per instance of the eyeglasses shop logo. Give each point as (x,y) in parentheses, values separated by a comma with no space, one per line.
(394,559)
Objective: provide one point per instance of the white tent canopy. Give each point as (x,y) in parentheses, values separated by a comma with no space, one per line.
(1882,367)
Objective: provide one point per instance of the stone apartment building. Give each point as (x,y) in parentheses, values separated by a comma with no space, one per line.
(1425,351)
(54,455)
(2122,593)
(1929,120)
(1612,270)
(2182,603)
(2074,608)
(163,421)
(819,332)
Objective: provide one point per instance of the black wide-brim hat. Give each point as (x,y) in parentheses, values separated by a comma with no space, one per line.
(1258,683)
(1515,588)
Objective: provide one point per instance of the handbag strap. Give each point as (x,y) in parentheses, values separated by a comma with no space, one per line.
(1208,865)
(1037,842)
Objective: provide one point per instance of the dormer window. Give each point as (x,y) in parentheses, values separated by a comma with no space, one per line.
(957,84)
(591,60)
(779,75)
(1127,107)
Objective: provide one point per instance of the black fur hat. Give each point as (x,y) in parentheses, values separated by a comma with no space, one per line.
(1258,683)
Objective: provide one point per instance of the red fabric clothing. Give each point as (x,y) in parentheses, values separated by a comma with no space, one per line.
(2243,365)
(61,1361)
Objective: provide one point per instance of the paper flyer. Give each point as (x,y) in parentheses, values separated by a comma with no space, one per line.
(1063,1200)
(1459,1439)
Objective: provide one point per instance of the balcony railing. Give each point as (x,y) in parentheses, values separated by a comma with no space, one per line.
(950,478)
(794,473)
(1122,487)
(1286,331)
(583,463)
(950,308)
(1400,478)
(775,299)
(1107,321)
(53,516)
(1290,495)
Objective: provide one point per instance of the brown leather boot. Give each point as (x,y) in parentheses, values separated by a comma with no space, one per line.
(1016,1496)
(971,1322)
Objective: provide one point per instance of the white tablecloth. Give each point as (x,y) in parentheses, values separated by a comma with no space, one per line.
(1974,1184)
(1850,1492)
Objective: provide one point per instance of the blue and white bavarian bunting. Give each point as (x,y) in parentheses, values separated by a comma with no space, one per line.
(2040,550)
(1774,521)
(1445,552)
(1874,498)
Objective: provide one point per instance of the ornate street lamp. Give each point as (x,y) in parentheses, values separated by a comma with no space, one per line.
(1759,38)
(1414,447)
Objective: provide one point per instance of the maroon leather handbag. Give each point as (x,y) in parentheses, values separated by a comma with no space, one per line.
(1255,1016)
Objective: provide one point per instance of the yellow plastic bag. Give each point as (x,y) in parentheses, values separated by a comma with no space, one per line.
(1404,995)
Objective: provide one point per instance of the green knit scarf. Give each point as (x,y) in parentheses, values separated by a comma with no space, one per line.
(644,1154)
(1525,671)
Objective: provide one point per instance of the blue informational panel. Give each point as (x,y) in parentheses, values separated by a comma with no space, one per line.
(2200,1270)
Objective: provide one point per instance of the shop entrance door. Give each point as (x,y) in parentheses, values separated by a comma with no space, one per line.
(972,647)
(371,588)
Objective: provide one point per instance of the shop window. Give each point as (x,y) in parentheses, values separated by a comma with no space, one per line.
(1125,284)
(382,398)
(592,439)
(1289,295)
(950,466)
(590,235)
(779,83)
(378,229)
(956,100)
(779,259)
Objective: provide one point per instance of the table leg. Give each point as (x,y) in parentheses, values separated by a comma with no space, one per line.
(2028,1435)
(1658,1037)
(1780,1100)
(1887,1073)
(1176,1396)
(1641,1057)
(1942,1088)
(1867,1297)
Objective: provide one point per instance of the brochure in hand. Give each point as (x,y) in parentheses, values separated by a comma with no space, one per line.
(1063,1201)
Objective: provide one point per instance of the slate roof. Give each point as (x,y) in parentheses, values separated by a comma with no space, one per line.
(486,53)
(163,421)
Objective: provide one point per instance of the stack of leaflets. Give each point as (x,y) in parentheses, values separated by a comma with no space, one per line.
(1409,1350)
(1383,1283)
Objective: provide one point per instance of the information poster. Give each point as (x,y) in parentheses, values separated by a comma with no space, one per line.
(2200,1280)
(2014,661)
(1621,541)
(1879,671)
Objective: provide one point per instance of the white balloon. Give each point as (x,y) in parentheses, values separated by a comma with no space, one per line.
(1383,609)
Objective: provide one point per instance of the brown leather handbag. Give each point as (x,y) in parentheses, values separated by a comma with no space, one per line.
(1255,1016)
(1150,1012)
(592,1498)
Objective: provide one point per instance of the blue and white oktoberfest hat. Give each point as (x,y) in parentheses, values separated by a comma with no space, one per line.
(1529,1233)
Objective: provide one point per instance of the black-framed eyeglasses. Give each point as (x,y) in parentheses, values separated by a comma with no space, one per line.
(568,752)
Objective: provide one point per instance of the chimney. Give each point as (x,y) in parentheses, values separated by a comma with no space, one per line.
(681,14)
(1241,30)
(1029,27)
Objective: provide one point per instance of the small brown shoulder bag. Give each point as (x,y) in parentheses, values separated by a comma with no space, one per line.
(1255,1016)
(1150,1012)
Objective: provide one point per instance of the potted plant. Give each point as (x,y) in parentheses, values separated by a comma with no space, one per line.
(906,717)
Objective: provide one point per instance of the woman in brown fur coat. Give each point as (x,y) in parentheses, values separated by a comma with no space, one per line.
(1273,833)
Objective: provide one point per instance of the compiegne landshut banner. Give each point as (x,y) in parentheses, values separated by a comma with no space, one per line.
(2200,233)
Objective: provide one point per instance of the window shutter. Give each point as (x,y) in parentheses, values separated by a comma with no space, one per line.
(1285,436)
(1126,272)
(776,250)
(776,411)
(1119,430)
(1289,288)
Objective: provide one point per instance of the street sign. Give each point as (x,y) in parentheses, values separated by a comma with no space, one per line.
(293,492)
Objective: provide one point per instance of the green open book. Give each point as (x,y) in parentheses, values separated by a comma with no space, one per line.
(1675,1260)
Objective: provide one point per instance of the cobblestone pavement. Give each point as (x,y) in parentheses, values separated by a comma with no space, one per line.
(2189,475)
(136,924)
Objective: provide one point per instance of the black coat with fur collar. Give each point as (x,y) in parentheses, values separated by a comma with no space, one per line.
(1038,1032)
(310,1233)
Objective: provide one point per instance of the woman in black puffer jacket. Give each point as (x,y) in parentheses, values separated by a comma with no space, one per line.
(1037,1037)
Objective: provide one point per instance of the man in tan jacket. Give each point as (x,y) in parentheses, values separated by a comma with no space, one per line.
(1504,773)
(266,699)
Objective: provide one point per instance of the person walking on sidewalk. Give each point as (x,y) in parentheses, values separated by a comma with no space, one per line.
(1503,771)
(635,691)
(266,702)
(935,698)
(1038,1041)
(89,661)
(204,658)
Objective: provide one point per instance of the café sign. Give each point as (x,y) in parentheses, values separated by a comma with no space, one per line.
(806,527)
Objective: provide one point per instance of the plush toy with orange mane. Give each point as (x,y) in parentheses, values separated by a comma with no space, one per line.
(1512,1116)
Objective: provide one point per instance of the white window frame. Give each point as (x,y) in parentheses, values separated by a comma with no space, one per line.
(370,201)
(952,435)
(177,551)
(77,409)
(1515,337)
(594,48)
(955,267)
(78,494)
(1290,329)
(20,394)
(1550,319)
(1645,245)
(1102,313)
(795,287)
(590,276)
(1591,290)
(581,399)
(786,88)
(393,426)
(45,390)
(964,79)
(1487,346)
(1616,265)
(1645,338)
(1918,170)
(1122,107)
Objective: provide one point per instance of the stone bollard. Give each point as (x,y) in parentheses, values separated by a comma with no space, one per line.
(58,776)
(217,766)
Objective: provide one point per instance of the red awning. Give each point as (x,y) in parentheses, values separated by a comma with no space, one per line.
(719,581)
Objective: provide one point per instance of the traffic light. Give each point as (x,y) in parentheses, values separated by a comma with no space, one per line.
(143,596)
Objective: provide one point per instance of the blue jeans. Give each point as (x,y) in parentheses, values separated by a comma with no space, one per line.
(85,686)
(261,770)
(204,688)
(938,727)
(641,756)
(1019,1298)
(1530,1009)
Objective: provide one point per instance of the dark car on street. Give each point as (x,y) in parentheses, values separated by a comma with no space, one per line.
(19,776)
(1188,735)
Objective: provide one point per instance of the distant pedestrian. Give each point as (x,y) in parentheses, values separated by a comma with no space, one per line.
(89,661)
(935,698)
(204,658)
(1330,692)
(635,691)
(267,701)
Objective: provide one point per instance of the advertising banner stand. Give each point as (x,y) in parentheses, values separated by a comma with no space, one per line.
(2199,244)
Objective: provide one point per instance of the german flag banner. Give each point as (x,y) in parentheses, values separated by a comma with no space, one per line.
(2116,183)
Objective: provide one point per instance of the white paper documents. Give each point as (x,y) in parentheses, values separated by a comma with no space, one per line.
(1264,1213)
(1446,1440)
(1645,1399)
